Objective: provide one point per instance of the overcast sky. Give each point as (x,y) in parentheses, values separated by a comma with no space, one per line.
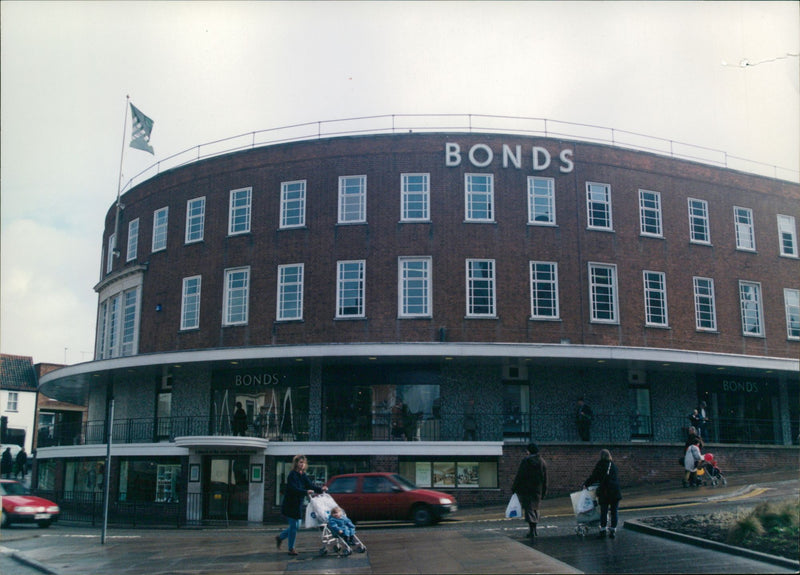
(205,70)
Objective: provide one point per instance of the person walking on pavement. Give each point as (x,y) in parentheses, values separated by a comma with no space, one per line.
(583,419)
(691,460)
(22,463)
(530,485)
(298,485)
(605,474)
(7,464)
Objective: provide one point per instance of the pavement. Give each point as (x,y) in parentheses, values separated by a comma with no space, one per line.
(476,540)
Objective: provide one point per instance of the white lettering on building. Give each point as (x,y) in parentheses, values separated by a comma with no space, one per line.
(481,155)
(249,380)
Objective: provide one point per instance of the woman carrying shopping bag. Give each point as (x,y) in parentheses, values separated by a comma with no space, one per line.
(298,485)
(608,492)
(530,485)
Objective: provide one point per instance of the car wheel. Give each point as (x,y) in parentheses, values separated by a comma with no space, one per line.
(44,524)
(421,514)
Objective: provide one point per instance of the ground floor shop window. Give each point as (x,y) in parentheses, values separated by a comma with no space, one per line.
(84,476)
(46,478)
(449,474)
(149,481)
(741,409)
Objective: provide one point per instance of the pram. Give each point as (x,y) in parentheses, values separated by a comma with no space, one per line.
(708,472)
(319,512)
(587,511)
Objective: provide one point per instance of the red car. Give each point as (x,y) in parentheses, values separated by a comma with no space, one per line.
(380,496)
(19,506)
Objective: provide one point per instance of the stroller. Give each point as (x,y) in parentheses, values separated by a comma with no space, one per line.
(587,511)
(317,514)
(708,472)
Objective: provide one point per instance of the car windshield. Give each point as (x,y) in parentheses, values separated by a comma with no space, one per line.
(404,483)
(13,488)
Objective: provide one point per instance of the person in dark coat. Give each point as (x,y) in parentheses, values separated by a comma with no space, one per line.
(298,485)
(22,463)
(583,420)
(239,420)
(530,485)
(7,463)
(608,492)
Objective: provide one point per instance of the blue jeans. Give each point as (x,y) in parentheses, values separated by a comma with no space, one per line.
(291,532)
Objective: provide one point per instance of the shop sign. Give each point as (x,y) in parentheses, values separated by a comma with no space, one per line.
(482,155)
(256,379)
(734,386)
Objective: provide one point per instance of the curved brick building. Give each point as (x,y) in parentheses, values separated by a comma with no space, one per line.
(425,303)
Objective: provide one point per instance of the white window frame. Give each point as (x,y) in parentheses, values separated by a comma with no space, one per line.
(293,204)
(350,283)
(655,295)
(352,199)
(291,279)
(752,309)
(118,320)
(415,190)
(160,228)
(414,287)
(745,234)
(112,247)
(474,197)
(705,306)
(603,203)
(190,302)
(541,285)
(129,323)
(603,293)
(133,240)
(12,403)
(237,285)
(541,193)
(787,236)
(239,211)
(698,221)
(791,301)
(650,222)
(477,284)
(195,220)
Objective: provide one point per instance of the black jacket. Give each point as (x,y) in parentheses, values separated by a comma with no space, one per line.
(297,487)
(605,474)
(531,479)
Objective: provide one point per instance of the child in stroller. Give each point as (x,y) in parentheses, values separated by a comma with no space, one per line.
(711,473)
(340,526)
(338,532)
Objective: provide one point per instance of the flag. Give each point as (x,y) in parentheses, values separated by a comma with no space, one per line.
(142,126)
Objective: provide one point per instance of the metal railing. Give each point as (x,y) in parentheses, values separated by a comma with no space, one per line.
(467,123)
(447,426)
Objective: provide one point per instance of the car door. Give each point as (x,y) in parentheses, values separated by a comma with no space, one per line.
(382,497)
(346,492)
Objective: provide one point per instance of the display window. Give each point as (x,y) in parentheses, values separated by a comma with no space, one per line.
(451,474)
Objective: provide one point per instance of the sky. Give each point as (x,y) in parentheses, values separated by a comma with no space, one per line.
(207,70)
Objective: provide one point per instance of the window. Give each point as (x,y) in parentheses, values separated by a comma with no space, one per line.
(699,230)
(293,204)
(544,290)
(745,240)
(415,287)
(450,474)
(479,201)
(415,198)
(239,214)
(603,290)
(541,201)
(752,315)
(480,288)
(650,213)
(118,324)
(13,401)
(655,299)
(133,240)
(598,206)
(290,292)
(787,232)
(237,288)
(195,219)
(112,247)
(350,289)
(791,298)
(705,310)
(160,218)
(641,422)
(190,303)
(352,199)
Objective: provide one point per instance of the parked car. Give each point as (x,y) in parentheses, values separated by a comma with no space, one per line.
(19,506)
(380,496)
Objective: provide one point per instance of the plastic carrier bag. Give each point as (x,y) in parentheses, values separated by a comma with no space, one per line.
(514,509)
(318,510)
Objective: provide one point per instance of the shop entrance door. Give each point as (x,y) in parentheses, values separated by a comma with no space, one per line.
(227,481)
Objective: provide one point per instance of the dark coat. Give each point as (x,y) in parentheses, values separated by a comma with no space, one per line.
(7,462)
(297,487)
(531,480)
(605,474)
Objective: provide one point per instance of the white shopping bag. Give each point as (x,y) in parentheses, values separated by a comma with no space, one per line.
(514,509)
(582,501)
(318,510)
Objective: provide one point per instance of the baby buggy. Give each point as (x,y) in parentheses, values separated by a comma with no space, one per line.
(587,511)
(709,473)
(318,512)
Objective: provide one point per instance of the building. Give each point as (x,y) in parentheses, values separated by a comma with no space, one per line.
(427,303)
(18,391)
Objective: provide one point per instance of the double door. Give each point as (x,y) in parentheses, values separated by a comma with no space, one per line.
(227,487)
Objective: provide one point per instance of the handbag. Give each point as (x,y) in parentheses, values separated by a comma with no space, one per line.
(514,509)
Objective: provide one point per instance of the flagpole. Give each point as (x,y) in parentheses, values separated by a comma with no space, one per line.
(116,252)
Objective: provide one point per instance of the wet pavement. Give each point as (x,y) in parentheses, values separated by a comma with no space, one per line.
(478,540)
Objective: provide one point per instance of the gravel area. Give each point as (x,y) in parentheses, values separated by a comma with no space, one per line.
(714,526)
